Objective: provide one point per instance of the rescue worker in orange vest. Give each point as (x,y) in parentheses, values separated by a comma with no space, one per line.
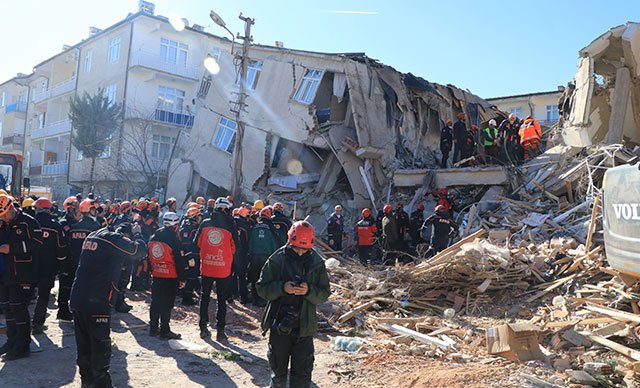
(168,271)
(216,238)
(365,231)
(530,135)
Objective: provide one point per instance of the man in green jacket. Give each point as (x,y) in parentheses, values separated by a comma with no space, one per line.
(293,281)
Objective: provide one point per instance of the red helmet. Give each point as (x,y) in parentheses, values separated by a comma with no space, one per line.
(278,206)
(449,122)
(243,212)
(366,212)
(266,212)
(461,115)
(87,204)
(125,206)
(70,202)
(234,212)
(421,206)
(153,206)
(301,235)
(113,209)
(43,203)
(142,205)
(440,208)
(387,208)
(474,127)
(154,199)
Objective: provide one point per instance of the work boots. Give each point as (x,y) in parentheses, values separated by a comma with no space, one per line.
(38,328)
(121,305)
(221,336)
(204,332)
(170,335)
(64,314)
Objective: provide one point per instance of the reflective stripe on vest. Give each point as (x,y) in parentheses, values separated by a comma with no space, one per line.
(487,132)
(528,133)
(163,264)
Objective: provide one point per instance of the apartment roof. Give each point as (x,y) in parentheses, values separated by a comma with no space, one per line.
(524,95)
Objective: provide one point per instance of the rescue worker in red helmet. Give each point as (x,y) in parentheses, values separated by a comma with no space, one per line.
(365,231)
(294,280)
(281,222)
(415,224)
(20,243)
(391,242)
(50,257)
(168,271)
(446,142)
(443,228)
(217,239)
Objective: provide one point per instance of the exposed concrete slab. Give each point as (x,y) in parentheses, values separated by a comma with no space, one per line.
(619,104)
(488,175)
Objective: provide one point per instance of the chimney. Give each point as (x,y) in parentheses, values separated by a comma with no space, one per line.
(146,7)
(279,44)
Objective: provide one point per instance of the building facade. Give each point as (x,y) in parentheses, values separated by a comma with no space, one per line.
(542,106)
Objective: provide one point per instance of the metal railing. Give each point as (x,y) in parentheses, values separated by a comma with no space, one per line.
(18,106)
(56,90)
(15,139)
(58,128)
(174,118)
(55,168)
(154,61)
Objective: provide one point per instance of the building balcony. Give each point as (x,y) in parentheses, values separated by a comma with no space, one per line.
(55,168)
(548,123)
(155,62)
(19,106)
(57,90)
(15,139)
(61,127)
(173,118)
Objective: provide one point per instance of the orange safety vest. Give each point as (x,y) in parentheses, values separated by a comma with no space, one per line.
(216,252)
(530,131)
(163,264)
(365,230)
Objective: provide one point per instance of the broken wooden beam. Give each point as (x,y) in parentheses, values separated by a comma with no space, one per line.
(613,313)
(551,288)
(444,345)
(353,312)
(628,352)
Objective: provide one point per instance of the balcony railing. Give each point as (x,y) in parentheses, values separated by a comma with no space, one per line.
(153,61)
(19,106)
(15,139)
(169,117)
(58,128)
(56,90)
(548,123)
(55,168)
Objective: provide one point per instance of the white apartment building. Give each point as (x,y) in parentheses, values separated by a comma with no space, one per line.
(543,106)
(13,113)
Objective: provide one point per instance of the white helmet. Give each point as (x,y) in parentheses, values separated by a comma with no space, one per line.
(492,122)
(170,219)
(222,203)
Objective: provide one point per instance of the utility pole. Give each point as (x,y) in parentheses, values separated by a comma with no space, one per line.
(239,105)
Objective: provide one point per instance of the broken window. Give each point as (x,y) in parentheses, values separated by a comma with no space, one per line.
(253,74)
(225,138)
(308,87)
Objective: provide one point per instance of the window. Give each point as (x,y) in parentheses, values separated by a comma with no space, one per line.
(226,135)
(80,155)
(114,49)
(87,61)
(516,111)
(170,99)
(253,73)
(552,112)
(110,93)
(215,53)
(173,52)
(43,85)
(2,98)
(41,119)
(106,153)
(161,147)
(307,90)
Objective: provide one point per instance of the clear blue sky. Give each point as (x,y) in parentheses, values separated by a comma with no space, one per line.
(493,48)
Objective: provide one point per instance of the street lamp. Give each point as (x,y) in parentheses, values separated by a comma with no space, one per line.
(218,20)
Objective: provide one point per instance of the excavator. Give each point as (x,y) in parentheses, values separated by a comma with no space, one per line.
(11,174)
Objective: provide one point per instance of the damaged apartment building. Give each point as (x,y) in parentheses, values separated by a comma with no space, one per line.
(320,129)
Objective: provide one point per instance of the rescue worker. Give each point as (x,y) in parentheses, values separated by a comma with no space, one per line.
(365,232)
(100,263)
(509,132)
(391,242)
(126,208)
(114,212)
(294,281)
(443,228)
(443,198)
(263,241)
(402,223)
(168,271)
(188,230)
(217,240)
(459,137)
(415,221)
(446,142)
(20,243)
(469,145)
(281,222)
(171,204)
(241,260)
(141,276)
(211,204)
(78,232)
(27,206)
(53,253)
(335,228)
(490,141)
(530,137)
(201,201)
(67,269)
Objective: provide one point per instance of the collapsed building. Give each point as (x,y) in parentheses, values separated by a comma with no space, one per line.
(320,129)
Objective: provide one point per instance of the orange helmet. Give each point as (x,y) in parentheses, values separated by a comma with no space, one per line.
(387,208)
(70,202)
(142,205)
(125,206)
(153,206)
(449,122)
(301,235)
(43,203)
(6,202)
(87,204)
(278,206)
(113,209)
(193,212)
(243,212)
(366,212)
(154,199)
(234,212)
(191,204)
(266,212)
(200,201)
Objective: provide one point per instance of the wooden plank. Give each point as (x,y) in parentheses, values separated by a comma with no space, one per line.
(628,352)
(616,314)
(560,324)
(550,288)
(418,336)
(353,312)
(597,321)
(445,254)
(592,224)
(545,192)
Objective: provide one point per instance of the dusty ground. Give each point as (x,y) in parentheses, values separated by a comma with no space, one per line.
(142,361)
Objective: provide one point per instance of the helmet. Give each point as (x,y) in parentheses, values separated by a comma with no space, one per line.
(222,203)
(200,201)
(258,204)
(230,199)
(154,199)
(191,204)
(278,206)
(125,206)
(2,191)
(449,122)
(211,202)
(28,202)
(387,209)
(142,205)
(234,213)
(170,201)
(193,212)
(153,207)
(421,206)
(474,127)
(87,204)
(6,202)
(43,203)
(301,235)
(512,117)
(366,212)
(113,209)
(461,115)
(440,208)
(70,202)
(492,122)
(266,212)
(243,212)
(170,219)
(337,208)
